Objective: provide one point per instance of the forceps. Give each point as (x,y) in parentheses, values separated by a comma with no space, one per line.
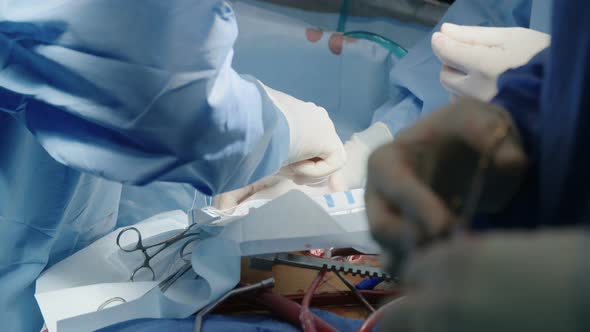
(188,233)
(164,284)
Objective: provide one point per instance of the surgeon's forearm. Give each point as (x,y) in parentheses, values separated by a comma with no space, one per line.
(519,92)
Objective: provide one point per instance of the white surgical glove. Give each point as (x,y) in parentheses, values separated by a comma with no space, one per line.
(473,57)
(229,200)
(315,150)
(358,149)
(271,188)
(351,176)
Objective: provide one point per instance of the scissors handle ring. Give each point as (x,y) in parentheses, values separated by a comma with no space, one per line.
(145,266)
(138,244)
(109,301)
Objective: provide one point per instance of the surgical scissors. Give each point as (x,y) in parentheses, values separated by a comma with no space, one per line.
(187,233)
(164,284)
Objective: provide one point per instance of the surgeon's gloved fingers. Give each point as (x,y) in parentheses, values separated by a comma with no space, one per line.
(385,221)
(337,183)
(421,206)
(319,167)
(411,174)
(499,37)
(453,80)
(395,235)
(483,53)
(468,118)
(455,139)
(476,35)
(313,168)
(459,84)
(391,173)
(358,148)
(459,55)
(315,150)
(230,200)
(280,188)
(490,49)
(509,155)
(481,125)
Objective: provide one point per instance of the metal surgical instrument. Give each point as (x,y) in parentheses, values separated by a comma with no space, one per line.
(189,233)
(163,285)
(356,292)
(265,262)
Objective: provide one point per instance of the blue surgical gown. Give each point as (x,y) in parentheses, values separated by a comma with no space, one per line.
(98,93)
(549,102)
(415,85)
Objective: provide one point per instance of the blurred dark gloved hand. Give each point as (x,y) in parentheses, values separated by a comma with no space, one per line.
(497,282)
(417,185)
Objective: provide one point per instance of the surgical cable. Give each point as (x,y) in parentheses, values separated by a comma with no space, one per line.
(385,42)
(344,12)
(305,316)
(395,48)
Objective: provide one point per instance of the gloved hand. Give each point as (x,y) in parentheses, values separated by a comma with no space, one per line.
(351,176)
(417,185)
(315,150)
(232,199)
(269,188)
(497,282)
(358,148)
(474,57)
